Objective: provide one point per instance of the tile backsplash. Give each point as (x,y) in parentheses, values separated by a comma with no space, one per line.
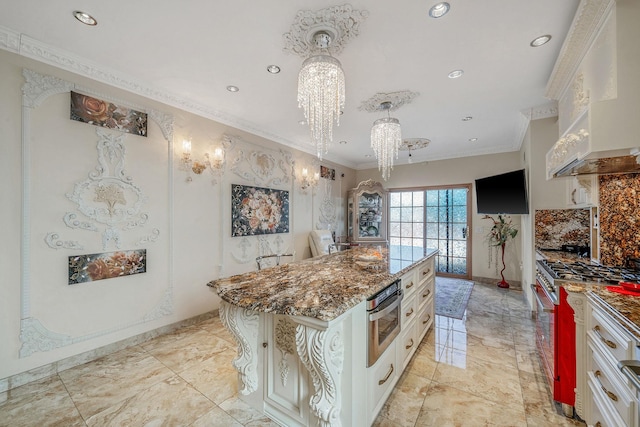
(557,227)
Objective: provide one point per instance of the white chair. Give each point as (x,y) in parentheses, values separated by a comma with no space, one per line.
(268,260)
(321,243)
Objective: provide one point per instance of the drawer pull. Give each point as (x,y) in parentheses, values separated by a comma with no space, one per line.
(386,377)
(409,313)
(609,343)
(609,394)
(424,273)
(410,285)
(426,294)
(407,347)
(425,321)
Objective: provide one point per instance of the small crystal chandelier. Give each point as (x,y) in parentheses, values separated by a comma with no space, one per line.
(321,93)
(386,137)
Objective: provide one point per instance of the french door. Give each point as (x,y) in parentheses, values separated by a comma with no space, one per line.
(433,217)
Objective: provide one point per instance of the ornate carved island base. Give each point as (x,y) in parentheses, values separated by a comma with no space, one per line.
(301,331)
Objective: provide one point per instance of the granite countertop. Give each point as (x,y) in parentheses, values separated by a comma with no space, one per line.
(322,287)
(623,308)
(562,256)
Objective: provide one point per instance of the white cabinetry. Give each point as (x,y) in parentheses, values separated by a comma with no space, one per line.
(612,400)
(582,191)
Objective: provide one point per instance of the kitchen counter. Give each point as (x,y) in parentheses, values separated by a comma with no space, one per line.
(305,338)
(322,288)
(561,256)
(623,308)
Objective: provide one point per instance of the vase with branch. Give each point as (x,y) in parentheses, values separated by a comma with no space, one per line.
(499,234)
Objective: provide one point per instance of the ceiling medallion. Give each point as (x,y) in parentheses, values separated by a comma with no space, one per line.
(321,83)
(397,100)
(341,23)
(411,144)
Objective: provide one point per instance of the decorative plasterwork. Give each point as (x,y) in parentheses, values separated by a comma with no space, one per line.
(580,96)
(109,197)
(397,100)
(261,167)
(53,241)
(341,22)
(328,215)
(243,325)
(9,39)
(244,245)
(586,23)
(414,144)
(322,353)
(285,334)
(33,335)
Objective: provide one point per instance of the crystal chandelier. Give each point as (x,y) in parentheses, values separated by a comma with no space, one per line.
(321,94)
(386,138)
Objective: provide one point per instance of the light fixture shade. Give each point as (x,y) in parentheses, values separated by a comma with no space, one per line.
(386,137)
(321,95)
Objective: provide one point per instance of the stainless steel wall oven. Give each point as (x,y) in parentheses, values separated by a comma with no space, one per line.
(383,320)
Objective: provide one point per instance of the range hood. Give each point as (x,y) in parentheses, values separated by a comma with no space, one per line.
(598,109)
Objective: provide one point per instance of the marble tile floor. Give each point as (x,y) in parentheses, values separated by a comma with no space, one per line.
(479,371)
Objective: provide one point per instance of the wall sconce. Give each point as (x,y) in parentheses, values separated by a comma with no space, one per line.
(307,181)
(214,162)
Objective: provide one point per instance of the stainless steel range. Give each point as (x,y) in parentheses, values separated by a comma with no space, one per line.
(555,325)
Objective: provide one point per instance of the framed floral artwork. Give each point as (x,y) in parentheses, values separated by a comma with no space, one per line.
(256,210)
(106,114)
(106,265)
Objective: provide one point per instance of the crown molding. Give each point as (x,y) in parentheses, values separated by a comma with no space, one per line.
(584,28)
(28,47)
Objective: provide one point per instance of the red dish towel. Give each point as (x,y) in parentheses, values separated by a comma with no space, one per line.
(621,290)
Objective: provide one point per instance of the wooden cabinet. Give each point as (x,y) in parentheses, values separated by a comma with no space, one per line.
(611,398)
(367,213)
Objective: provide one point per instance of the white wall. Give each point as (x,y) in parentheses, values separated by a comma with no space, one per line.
(463,171)
(187,234)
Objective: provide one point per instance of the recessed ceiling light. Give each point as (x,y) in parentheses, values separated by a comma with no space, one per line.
(455,74)
(343,142)
(367,155)
(473,139)
(232,88)
(438,10)
(539,41)
(466,119)
(302,122)
(85,18)
(273,69)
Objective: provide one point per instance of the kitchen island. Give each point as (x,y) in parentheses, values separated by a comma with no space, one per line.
(301,330)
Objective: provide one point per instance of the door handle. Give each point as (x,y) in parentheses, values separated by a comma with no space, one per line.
(464,232)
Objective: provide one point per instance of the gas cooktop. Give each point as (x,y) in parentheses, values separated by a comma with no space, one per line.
(582,272)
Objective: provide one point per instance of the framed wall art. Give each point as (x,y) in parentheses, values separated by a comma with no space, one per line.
(106,265)
(256,210)
(106,114)
(327,173)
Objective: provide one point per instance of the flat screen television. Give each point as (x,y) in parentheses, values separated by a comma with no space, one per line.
(503,194)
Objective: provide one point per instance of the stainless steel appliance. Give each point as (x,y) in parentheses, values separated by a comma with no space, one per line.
(383,320)
(555,326)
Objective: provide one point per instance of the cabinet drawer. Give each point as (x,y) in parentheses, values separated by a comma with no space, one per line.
(426,270)
(409,283)
(409,311)
(381,378)
(611,338)
(604,377)
(424,321)
(602,415)
(407,344)
(425,294)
